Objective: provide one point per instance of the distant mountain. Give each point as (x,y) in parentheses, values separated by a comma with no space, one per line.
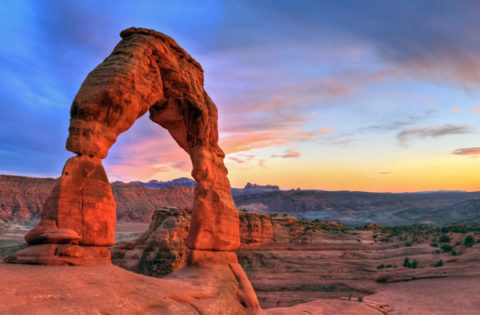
(254,189)
(190,183)
(22,198)
(182,181)
(358,208)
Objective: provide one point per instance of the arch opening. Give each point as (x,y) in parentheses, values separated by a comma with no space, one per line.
(146,72)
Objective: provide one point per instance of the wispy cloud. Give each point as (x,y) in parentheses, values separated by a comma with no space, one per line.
(290,153)
(398,124)
(261,163)
(467,151)
(432,132)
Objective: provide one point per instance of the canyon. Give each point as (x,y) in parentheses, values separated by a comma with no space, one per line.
(291,261)
(22,198)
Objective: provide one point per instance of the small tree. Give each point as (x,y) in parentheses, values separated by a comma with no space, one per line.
(439,263)
(406,262)
(444,238)
(414,264)
(469,241)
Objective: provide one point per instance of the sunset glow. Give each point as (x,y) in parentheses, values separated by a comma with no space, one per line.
(314,95)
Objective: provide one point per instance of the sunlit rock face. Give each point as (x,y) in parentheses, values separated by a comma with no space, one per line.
(147,71)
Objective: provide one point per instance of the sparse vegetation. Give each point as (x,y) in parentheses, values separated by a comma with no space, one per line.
(439,263)
(408,264)
(360,299)
(444,238)
(447,248)
(469,241)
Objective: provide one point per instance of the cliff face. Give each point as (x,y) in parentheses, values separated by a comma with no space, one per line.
(136,203)
(22,199)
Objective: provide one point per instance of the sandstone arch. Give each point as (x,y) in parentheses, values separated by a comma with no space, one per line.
(147,71)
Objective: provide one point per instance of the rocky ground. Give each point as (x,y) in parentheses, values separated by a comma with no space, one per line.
(29,289)
(293,263)
(290,261)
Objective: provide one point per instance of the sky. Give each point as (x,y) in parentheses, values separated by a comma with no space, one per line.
(363,95)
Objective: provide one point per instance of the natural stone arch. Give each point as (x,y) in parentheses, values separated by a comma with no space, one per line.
(147,71)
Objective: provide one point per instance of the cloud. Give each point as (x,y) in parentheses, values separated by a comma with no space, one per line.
(261,163)
(236,159)
(432,132)
(325,131)
(398,124)
(431,39)
(467,151)
(290,153)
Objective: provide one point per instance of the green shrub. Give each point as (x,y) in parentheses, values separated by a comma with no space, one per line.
(360,299)
(408,264)
(414,264)
(444,238)
(447,248)
(408,244)
(380,266)
(469,241)
(438,263)
(433,244)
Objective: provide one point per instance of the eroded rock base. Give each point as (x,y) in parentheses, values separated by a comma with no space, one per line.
(62,255)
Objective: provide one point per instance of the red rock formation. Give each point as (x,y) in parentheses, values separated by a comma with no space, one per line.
(146,71)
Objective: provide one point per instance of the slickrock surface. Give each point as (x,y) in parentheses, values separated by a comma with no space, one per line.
(28,289)
(290,261)
(208,290)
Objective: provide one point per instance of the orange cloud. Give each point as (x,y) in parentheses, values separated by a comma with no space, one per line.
(467,151)
(290,153)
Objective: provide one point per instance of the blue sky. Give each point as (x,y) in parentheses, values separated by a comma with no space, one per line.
(359,95)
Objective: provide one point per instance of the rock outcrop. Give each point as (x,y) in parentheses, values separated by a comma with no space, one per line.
(290,261)
(147,71)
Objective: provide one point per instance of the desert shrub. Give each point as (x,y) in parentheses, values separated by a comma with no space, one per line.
(469,241)
(458,243)
(360,299)
(408,264)
(447,248)
(433,244)
(444,238)
(438,263)
(408,244)
(244,210)
(274,215)
(380,266)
